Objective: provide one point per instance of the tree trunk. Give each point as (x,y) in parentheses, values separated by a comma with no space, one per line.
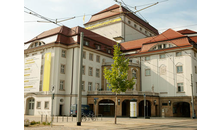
(115,107)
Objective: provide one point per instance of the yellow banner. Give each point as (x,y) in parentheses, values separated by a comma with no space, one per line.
(47,64)
(104,23)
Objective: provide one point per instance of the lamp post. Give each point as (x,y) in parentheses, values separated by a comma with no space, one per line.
(79,99)
(52,97)
(144,105)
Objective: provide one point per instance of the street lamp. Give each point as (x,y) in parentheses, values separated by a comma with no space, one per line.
(52,97)
(155,102)
(169,102)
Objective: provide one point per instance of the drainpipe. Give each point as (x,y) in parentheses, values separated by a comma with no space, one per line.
(71,81)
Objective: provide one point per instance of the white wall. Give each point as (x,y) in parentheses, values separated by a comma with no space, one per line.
(167,82)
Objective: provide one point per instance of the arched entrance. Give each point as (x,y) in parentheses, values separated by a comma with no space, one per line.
(107,107)
(126,108)
(30,106)
(181,109)
(147,109)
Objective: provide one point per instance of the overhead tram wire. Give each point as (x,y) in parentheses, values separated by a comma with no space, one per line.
(40,16)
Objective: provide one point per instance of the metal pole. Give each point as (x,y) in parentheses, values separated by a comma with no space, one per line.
(79,100)
(193,114)
(144,104)
(52,97)
(147,109)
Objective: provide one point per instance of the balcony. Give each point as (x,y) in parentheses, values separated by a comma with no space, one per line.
(130,64)
(104,92)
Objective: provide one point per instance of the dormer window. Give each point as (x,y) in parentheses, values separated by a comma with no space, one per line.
(98,47)
(86,43)
(162,46)
(129,22)
(109,51)
(36,44)
(135,25)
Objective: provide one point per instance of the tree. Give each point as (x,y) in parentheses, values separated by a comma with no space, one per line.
(117,76)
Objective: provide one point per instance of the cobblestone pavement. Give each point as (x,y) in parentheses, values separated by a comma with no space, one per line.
(155,123)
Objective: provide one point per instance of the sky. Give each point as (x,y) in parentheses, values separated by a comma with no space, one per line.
(175,14)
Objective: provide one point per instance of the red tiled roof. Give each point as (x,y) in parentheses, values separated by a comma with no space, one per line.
(114,10)
(194,38)
(168,34)
(178,42)
(186,31)
(64,35)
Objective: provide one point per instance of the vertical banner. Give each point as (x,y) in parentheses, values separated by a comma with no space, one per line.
(32,66)
(47,64)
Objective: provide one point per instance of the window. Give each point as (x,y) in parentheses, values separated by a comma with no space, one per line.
(179,69)
(159,46)
(90,56)
(97,73)
(46,105)
(63,54)
(140,29)
(145,32)
(164,45)
(62,69)
(109,51)
(129,22)
(90,71)
(196,69)
(170,45)
(83,85)
(135,25)
(83,70)
(86,43)
(40,86)
(179,53)
(62,83)
(84,54)
(162,56)
(134,74)
(109,87)
(98,47)
(90,86)
(147,58)
(36,44)
(41,69)
(97,58)
(97,87)
(38,105)
(164,104)
(180,87)
(147,72)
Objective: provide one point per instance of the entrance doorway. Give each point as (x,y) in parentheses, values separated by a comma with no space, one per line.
(181,109)
(107,108)
(147,108)
(31,106)
(126,108)
(61,109)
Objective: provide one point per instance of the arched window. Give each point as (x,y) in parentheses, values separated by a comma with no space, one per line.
(134,73)
(36,44)
(162,46)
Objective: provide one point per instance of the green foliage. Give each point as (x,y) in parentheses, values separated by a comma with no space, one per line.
(33,122)
(44,123)
(118,75)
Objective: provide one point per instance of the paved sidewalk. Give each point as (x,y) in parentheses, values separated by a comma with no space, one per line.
(155,123)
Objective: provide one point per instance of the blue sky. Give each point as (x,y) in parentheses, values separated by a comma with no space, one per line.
(175,14)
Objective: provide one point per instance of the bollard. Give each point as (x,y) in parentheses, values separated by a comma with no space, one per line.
(46,119)
(41,120)
(57,118)
(72,117)
(67,118)
(62,118)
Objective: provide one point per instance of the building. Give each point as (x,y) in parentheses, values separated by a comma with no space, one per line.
(63,44)
(118,21)
(163,65)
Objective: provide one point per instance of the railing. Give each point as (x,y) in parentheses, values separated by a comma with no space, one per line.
(130,63)
(122,93)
